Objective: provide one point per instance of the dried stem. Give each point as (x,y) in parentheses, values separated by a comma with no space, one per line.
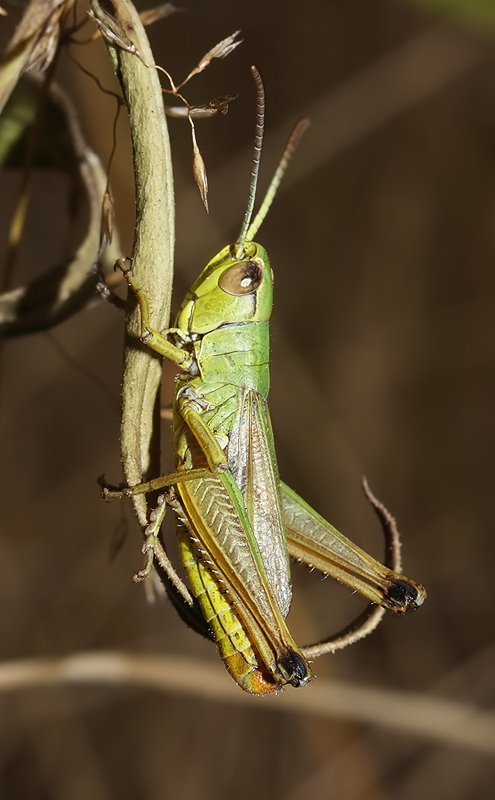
(411,713)
(152,249)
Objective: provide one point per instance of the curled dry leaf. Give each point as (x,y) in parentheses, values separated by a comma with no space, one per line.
(45,48)
(114,32)
(151,15)
(222,103)
(69,286)
(18,51)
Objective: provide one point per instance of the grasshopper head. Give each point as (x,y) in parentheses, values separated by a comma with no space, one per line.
(229,291)
(237,285)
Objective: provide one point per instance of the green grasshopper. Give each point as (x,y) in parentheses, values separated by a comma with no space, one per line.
(237,523)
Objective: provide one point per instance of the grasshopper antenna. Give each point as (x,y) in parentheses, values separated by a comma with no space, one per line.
(237,249)
(249,229)
(294,139)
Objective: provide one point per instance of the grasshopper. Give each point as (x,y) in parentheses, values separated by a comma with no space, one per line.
(237,522)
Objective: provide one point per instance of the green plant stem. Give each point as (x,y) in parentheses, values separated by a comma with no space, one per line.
(152,253)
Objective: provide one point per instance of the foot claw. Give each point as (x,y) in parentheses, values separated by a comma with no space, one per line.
(149,551)
(109,492)
(121,264)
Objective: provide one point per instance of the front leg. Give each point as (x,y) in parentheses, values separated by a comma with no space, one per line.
(109,492)
(149,335)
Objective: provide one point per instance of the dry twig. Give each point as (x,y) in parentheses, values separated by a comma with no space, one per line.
(414,714)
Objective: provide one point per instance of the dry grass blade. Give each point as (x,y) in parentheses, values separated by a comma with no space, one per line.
(107,220)
(199,170)
(151,15)
(46,46)
(116,35)
(221,50)
(20,47)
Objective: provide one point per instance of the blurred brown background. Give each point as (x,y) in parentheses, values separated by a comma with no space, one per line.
(383,247)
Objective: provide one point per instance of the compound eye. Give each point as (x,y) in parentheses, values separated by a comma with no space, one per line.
(242,278)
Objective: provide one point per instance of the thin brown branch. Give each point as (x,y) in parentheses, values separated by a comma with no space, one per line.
(413,714)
